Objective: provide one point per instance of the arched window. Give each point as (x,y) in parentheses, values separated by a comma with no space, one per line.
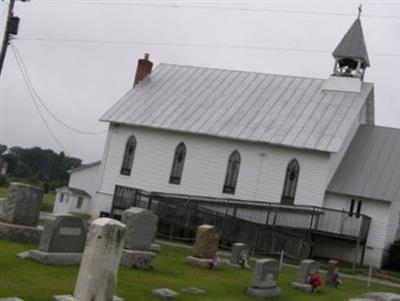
(232,173)
(128,156)
(177,165)
(289,190)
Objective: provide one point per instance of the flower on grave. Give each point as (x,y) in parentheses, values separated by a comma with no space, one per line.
(316,281)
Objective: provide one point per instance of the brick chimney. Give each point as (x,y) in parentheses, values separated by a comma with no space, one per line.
(143,69)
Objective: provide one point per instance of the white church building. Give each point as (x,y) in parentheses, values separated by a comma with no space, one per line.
(227,134)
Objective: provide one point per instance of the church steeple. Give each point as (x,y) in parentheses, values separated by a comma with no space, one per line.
(351,56)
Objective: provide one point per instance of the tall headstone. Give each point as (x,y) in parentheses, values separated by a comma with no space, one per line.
(265,279)
(19,213)
(205,246)
(62,241)
(333,271)
(22,207)
(97,276)
(240,251)
(307,269)
(141,228)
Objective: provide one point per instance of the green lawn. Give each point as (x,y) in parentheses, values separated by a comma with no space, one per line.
(48,199)
(34,282)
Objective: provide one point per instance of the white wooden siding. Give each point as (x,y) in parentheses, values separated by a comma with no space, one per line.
(70,206)
(261,175)
(379,211)
(86,179)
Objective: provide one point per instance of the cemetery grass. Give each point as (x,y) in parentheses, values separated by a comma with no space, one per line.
(34,282)
(48,199)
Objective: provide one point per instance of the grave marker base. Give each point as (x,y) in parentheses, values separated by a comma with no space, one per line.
(142,260)
(155,248)
(71,298)
(199,262)
(55,258)
(302,287)
(271,292)
(20,233)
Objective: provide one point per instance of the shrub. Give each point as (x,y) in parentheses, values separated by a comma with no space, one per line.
(394,255)
(3,181)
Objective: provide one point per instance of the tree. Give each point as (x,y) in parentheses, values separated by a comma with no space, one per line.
(3,149)
(41,165)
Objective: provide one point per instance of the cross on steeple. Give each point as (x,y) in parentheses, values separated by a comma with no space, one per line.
(359,11)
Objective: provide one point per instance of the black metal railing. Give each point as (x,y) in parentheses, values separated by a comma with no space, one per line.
(266,226)
(313,219)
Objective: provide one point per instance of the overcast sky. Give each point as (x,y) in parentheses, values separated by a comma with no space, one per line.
(79,80)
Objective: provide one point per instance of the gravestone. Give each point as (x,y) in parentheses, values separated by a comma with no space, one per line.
(239,252)
(264,282)
(62,241)
(205,246)
(141,228)
(164,293)
(22,207)
(333,269)
(308,267)
(97,276)
(19,213)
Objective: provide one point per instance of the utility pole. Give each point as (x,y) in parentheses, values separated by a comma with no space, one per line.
(10,30)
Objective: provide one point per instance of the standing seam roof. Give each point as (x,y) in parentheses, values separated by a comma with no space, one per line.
(371,165)
(278,109)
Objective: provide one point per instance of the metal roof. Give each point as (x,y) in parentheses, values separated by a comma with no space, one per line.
(257,107)
(76,191)
(84,166)
(371,165)
(353,44)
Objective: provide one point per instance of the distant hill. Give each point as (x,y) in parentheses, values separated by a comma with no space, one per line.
(37,166)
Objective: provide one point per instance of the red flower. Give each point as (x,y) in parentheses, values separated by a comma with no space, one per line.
(316,280)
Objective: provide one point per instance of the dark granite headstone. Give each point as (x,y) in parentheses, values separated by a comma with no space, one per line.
(63,234)
(22,207)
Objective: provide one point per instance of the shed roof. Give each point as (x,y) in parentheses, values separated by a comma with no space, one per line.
(371,165)
(84,166)
(257,107)
(76,191)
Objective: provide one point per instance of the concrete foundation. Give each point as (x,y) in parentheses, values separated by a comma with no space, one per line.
(55,258)
(264,292)
(19,233)
(142,260)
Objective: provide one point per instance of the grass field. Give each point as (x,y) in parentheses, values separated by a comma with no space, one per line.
(48,199)
(34,282)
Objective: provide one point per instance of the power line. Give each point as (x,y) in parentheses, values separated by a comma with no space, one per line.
(198,45)
(35,102)
(44,104)
(212,7)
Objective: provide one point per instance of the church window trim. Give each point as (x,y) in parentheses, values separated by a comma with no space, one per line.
(232,173)
(177,164)
(129,155)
